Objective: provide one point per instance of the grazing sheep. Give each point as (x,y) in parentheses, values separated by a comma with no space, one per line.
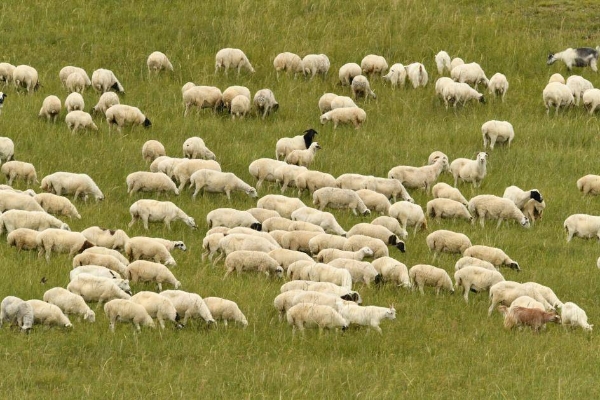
(367,315)
(19,169)
(106,101)
(440,85)
(288,62)
(476,279)
(456,61)
(521,197)
(323,219)
(7,149)
(392,270)
(104,80)
(445,191)
(356,182)
(247,260)
(392,225)
(194,147)
(457,93)
(60,183)
(471,74)
(148,271)
(339,198)
(26,77)
(16,311)
(314,64)
(23,239)
(74,101)
(188,305)
(419,177)
(300,269)
(104,250)
(69,303)
(157,211)
(378,246)
(442,62)
(447,241)
(305,315)
(374,201)
(572,315)
(582,225)
(408,214)
(417,74)
(286,145)
(557,78)
(375,231)
(422,275)
(6,72)
(298,240)
(101,260)
(591,100)
(373,64)
(244,241)
(285,257)
(144,181)
(303,157)
(262,214)
(579,57)
(396,76)
(157,306)
(286,173)
(145,248)
(225,310)
(491,254)
(353,115)
(391,188)
(127,311)
(111,239)
(285,206)
(48,314)
(121,115)
(230,218)
(494,207)
(61,241)
(232,58)
(276,223)
(240,106)
(342,102)
(79,120)
(232,92)
(10,200)
(327,255)
(265,103)
(323,287)
(470,170)
(521,316)
(325,102)
(498,85)
(320,272)
(95,270)
(472,261)
(526,301)
(497,131)
(547,293)
(313,180)
(182,171)
(447,208)
(51,107)
(203,97)
(158,61)
(361,88)
(152,149)
(578,86)
(219,182)
(589,184)
(67,71)
(99,289)
(557,95)
(37,220)
(326,241)
(347,73)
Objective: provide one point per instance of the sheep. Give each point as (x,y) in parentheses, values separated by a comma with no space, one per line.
(247,260)
(120,115)
(183,170)
(157,306)
(148,271)
(219,182)
(286,173)
(276,223)
(23,239)
(361,88)
(230,218)
(447,208)
(476,279)
(391,188)
(188,305)
(494,207)
(442,62)
(157,211)
(69,303)
(17,311)
(240,106)
(427,275)
(304,315)
(286,145)
(367,315)
(104,250)
(353,115)
(521,197)
(440,85)
(408,214)
(471,74)
(233,91)
(145,248)
(579,57)
(152,149)
(445,191)
(127,311)
(534,210)
(589,184)
(262,214)
(314,64)
(391,224)
(143,181)
(572,315)
(107,100)
(37,220)
(6,188)
(303,157)
(74,101)
(355,182)
(3,97)
(264,169)
(101,260)
(26,77)
(470,170)
(112,239)
(313,180)
(374,201)
(65,72)
(417,74)
(61,241)
(7,149)
(288,62)
(194,147)
(327,255)
(326,241)
(104,80)
(347,73)
(342,102)
(300,269)
(325,102)
(578,86)
(392,270)
(457,93)
(447,241)
(419,177)
(498,85)
(210,244)
(298,240)
(339,198)
(232,58)
(472,261)
(493,255)
(557,95)
(557,78)
(6,72)
(325,220)
(76,82)
(533,317)
(171,244)
(373,64)
(591,100)
(305,226)
(48,314)
(547,293)
(95,270)
(285,257)
(56,205)
(323,287)
(19,169)
(526,301)
(10,200)
(320,272)
(285,206)
(243,241)
(284,300)
(396,75)
(265,103)
(225,310)
(99,289)
(497,131)
(314,297)
(158,61)
(582,225)
(60,183)
(378,246)
(376,231)
(51,107)
(79,120)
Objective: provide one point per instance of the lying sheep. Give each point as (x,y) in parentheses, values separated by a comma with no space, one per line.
(26,77)
(144,181)
(442,62)
(10,200)
(94,288)
(327,255)
(472,261)
(188,305)
(51,107)
(48,314)
(95,270)
(127,311)
(445,191)
(347,72)
(470,170)
(417,74)
(23,239)
(264,102)
(60,183)
(69,303)
(158,61)
(498,85)
(589,184)
(111,239)
(491,254)
(422,275)
(232,58)
(37,220)
(367,315)
(396,76)
(104,80)
(582,225)
(325,220)
(148,271)
(572,315)
(106,101)
(476,279)
(152,149)
(361,88)
(219,182)
(101,260)
(285,206)
(354,115)
(303,157)
(392,270)
(157,306)
(121,115)
(557,95)
(158,211)
(375,231)
(447,208)
(286,145)
(288,62)
(245,260)
(230,218)
(487,206)
(183,171)
(505,292)
(313,180)
(373,64)
(305,315)
(74,101)
(19,169)
(591,100)
(80,120)
(419,177)
(325,102)
(408,214)
(225,310)
(447,241)
(61,241)
(497,131)
(110,252)
(314,64)
(144,248)
(339,198)
(17,312)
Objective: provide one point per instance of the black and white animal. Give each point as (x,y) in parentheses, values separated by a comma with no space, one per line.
(2,97)
(580,57)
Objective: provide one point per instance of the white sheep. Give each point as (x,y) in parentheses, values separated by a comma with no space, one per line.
(298,240)
(74,101)
(80,120)
(111,239)
(148,271)
(121,115)
(557,78)
(476,262)
(262,214)
(158,211)
(276,223)
(396,76)
(374,201)
(325,220)
(303,157)
(342,102)
(376,231)
(60,183)
(286,145)
(361,88)
(493,255)
(225,310)
(373,64)
(189,305)
(285,257)
(497,131)
(469,170)
(6,72)
(61,241)
(457,93)
(572,315)
(127,311)
(498,85)
(107,100)
(527,302)
(325,102)
(582,225)
(557,95)
(347,72)
(95,270)
(440,85)
(447,208)
(152,149)
(444,191)
(230,218)
(247,260)
(232,58)
(578,86)
(547,293)
(391,224)
(487,206)
(353,115)
(101,260)
(392,270)
(378,246)
(300,269)
(104,80)
(419,177)
(408,214)
(313,180)
(145,248)
(391,188)
(505,292)
(455,62)
(51,107)
(19,169)
(447,242)
(69,303)
(591,100)
(158,61)
(521,197)
(304,315)
(10,200)
(240,106)
(326,241)
(284,205)
(23,239)
(16,311)
(37,220)
(579,57)
(476,279)
(157,306)
(471,74)
(110,252)
(183,170)
(320,272)
(314,64)
(232,92)
(242,241)
(194,147)
(417,74)
(76,82)
(534,210)
(327,255)
(442,62)
(422,275)
(65,72)
(264,102)
(367,315)
(339,198)
(7,149)
(219,182)
(589,184)
(263,169)
(323,287)
(26,77)
(144,181)
(286,174)
(355,181)
(48,314)
(305,226)
(288,62)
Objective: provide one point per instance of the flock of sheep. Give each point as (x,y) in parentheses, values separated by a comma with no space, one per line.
(282,235)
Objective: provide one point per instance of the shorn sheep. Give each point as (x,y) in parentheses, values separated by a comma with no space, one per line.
(468,170)
(579,57)
(232,58)
(497,132)
(148,210)
(487,206)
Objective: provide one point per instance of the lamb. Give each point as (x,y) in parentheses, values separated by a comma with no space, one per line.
(392,270)
(458,93)
(379,247)
(408,214)
(7,149)
(188,305)
(157,211)
(422,275)
(373,64)
(497,131)
(288,62)
(445,191)
(327,255)
(225,310)
(232,58)
(10,200)
(326,241)
(143,181)
(219,182)
(498,85)
(325,102)
(521,197)
(23,239)
(285,206)
(37,220)
(591,100)
(589,184)
(158,61)
(48,314)
(6,72)
(144,248)
(157,306)
(557,95)
(367,315)
(392,225)
(61,241)
(265,103)
(184,169)
(111,239)
(19,169)
(579,57)
(339,198)
(353,115)
(74,101)
(491,254)
(110,252)
(247,260)
(230,218)
(60,183)
(240,106)
(494,207)
(104,80)
(127,311)
(76,82)
(194,147)
(547,293)
(447,208)
(65,72)
(79,120)
(264,169)
(376,231)
(391,188)
(361,88)
(472,261)
(285,257)
(528,316)
(262,214)
(17,311)
(572,315)
(51,107)
(148,271)
(94,288)
(26,77)
(396,75)
(101,260)
(152,149)
(578,86)
(342,102)
(69,303)
(314,64)
(347,73)
(534,210)
(442,62)
(107,100)
(325,220)
(286,145)
(95,270)
(470,170)
(313,180)
(447,241)
(120,115)
(471,74)
(419,177)
(476,279)
(417,74)
(303,157)
(374,201)
(305,315)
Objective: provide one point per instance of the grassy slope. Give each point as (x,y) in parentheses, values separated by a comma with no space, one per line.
(437,347)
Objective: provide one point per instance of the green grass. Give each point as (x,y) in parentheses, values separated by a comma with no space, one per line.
(437,347)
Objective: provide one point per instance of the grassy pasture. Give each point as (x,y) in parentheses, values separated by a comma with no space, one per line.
(437,347)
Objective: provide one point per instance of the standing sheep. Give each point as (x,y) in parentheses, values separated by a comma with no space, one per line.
(51,107)
(265,103)
(304,315)
(194,147)
(325,101)
(442,62)
(149,249)
(148,271)
(339,198)
(408,214)
(572,315)
(19,169)
(76,82)
(104,80)
(7,149)
(445,191)
(69,303)
(188,305)
(393,271)
(61,241)
(48,314)
(589,184)
(74,101)
(469,170)
(361,88)
(578,86)
(303,157)
(111,239)
(157,211)
(487,206)
(37,220)
(582,225)
(157,306)
(417,74)
(80,119)
(373,64)
(493,255)
(225,310)
(121,115)
(240,106)
(158,61)
(579,57)
(419,177)
(314,64)
(144,181)
(288,62)
(396,76)
(286,145)
(203,97)
(498,85)
(126,310)
(6,72)
(219,182)
(352,115)
(447,208)
(23,239)
(347,73)
(422,275)
(232,58)
(476,279)
(94,288)
(367,315)
(244,260)
(557,95)
(26,77)
(497,131)
(447,241)
(16,311)
(152,149)
(60,183)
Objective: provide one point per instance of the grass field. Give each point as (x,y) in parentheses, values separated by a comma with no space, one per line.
(438,347)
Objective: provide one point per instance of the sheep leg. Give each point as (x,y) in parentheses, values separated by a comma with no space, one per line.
(499,223)
(482,220)
(145,221)
(377,328)
(133,219)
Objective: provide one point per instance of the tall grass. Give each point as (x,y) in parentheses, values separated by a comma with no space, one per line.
(438,347)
